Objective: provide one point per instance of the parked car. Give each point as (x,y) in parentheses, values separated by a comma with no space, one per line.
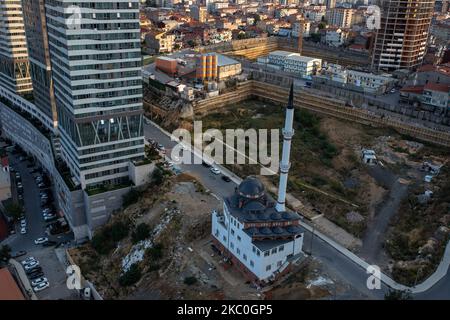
(49,243)
(28,260)
(23,230)
(37,281)
(33,270)
(40,240)
(41,185)
(226,178)
(36,275)
(50,218)
(215,170)
(31,265)
(23,223)
(41,286)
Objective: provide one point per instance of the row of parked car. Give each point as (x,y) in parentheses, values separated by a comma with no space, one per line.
(35,274)
(216,171)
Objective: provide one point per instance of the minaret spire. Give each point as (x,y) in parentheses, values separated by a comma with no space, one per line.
(288,133)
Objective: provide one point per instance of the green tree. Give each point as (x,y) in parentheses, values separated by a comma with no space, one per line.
(102,241)
(154,253)
(131,276)
(5,253)
(157,176)
(257,19)
(322,25)
(119,230)
(315,37)
(397,295)
(141,232)
(14,210)
(190,280)
(131,197)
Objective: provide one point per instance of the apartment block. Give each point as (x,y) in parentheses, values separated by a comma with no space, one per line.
(401,41)
(14,64)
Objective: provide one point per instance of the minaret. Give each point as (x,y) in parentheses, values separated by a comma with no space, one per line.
(288,133)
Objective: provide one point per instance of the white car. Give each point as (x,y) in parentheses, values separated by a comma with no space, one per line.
(41,286)
(41,240)
(31,265)
(38,281)
(49,217)
(215,170)
(23,230)
(28,260)
(23,223)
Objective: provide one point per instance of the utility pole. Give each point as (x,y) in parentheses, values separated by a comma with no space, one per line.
(300,36)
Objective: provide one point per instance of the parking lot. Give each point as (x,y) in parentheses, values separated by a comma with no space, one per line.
(35,194)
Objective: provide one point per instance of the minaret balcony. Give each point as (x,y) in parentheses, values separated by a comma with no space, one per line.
(288,134)
(285,167)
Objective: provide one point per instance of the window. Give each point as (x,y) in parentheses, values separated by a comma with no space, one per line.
(238,251)
(216,233)
(245,257)
(252,264)
(232,232)
(274,250)
(254,249)
(279,263)
(258,253)
(281,248)
(231,245)
(224,238)
(266,253)
(239,238)
(268,267)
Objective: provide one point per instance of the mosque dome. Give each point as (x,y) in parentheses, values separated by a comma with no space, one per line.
(251,188)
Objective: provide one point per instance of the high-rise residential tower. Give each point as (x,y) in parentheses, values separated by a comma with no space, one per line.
(96,67)
(39,56)
(14,65)
(401,40)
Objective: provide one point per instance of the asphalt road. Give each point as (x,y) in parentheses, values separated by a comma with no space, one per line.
(336,263)
(36,226)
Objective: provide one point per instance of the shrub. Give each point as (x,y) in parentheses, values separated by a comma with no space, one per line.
(154,253)
(397,295)
(157,176)
(102,241)
(14,210)
(131,276)
(190,280)
(131,197)
(141,232)
(5,253)
(119,230)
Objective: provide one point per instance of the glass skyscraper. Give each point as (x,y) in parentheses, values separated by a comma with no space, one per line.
(96,67)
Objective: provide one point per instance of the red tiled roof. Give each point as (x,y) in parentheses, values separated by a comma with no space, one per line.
(9,290)
(412,89)
(437,87)
(444,69)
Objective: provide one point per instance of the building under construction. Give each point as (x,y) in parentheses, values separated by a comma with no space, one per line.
(401,40)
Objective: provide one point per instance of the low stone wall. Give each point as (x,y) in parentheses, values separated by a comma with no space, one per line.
(320,102)
(436,116)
